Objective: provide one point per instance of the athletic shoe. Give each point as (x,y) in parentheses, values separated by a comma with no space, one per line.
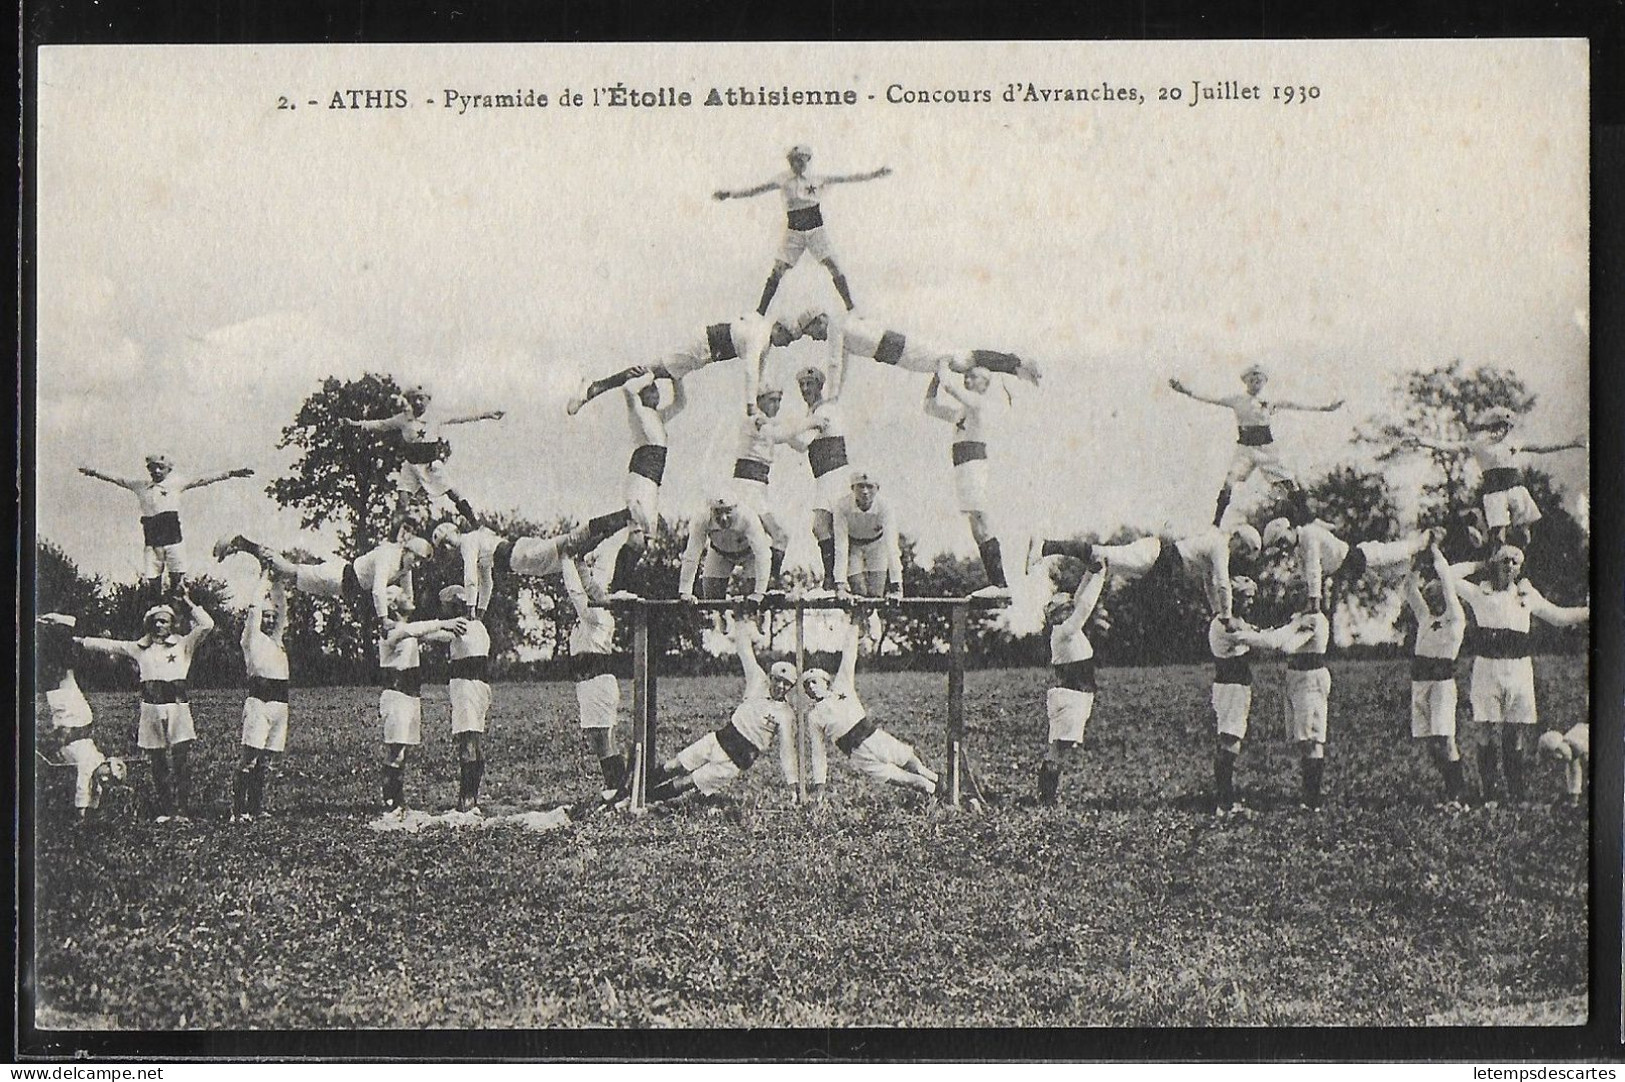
(622,595)
(577,400)
(991,591)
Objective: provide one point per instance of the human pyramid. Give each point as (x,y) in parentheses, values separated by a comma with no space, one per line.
(857,533)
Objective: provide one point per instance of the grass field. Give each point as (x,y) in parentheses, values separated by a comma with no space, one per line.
(1125,905)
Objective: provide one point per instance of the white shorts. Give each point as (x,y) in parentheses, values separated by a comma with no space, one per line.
(828,489)
(1503,690)
(165,725)
(1579,738)
(754,495)
(323,580)
(970,484)
(684,362)
(599,700)
(1513,506)
(265,725)
(1305,702)
(1433,708)
(870,559)
(470,702)
(535,556)
(402,715)
(1232,703)
(1245,461)
(720,565)
(69,708)
(880,754)
(430,477)
(709,764)
(85,757)
(157,559)
(1069,712)
(813,240)
(642,500)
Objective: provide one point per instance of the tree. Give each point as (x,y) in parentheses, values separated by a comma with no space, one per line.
(342,474)
(59,585)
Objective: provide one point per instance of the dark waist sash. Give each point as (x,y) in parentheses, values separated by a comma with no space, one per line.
(719,339)
(849,741)
(164,528)
(1255,436)
(826,454)
(352,584)
(1169,563)
(751,469)
(1306,662)
(1500,479)
(1433,668)
(1502,642)
(589,666)
(865,540)
(267,690)
(1233,670)
(889,350)
(804,218)
(969,451)
(421,454)
(163,692)
(469,668)
(648,461)
(736,746)
(1076,675)
(405,681)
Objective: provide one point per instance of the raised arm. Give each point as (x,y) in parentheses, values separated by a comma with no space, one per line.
(1556,615)
(1084,600)
(251,619)
(691,558)
(426,630)
(645,422)
(846,677)
(394,422)
(1330,407)
(744,639)
(1180,388)
(965,396)
(1452,601)
(121,482)
(1576,444)
(202,622)
(120,647)
(858,178)
(216,478)
(745,193)
(470,418)
(679,399)
(573,588)
(934,406)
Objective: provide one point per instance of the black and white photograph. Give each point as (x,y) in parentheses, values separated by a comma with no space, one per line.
(809,535)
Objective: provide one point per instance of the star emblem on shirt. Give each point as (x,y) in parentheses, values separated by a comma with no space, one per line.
(172,659)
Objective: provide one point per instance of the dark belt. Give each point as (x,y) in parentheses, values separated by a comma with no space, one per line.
(826,454)
(1500,479)
(1076,675)
(850,740)
(1169,563)
(267,690)
(804,218)
(163,692)
(719,339)
(969,451)
(405,681)
(889,350)
(1306,662)
(421,454)
(648,461)
(469,668)
(736,746)
(164,528)
(1255,436)
(1232,670)
(751,469)
(351,584)
(589,666)
(864,540)
(1433,668)
(1501,642)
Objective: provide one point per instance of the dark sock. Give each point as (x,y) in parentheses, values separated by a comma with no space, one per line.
(626,562)
(604,525)
(1313,771)
(1049,781)
(1221,505)
(992,561)
(183,784)
(768,290)
(466,509)
(239,789)
(468,781)
(608,383)
(614,770)
(666,790)
(1224,778)
(163,796)
(994,361)
(1080,549)
(1489,769)
(775,566)
(394,787)
(256,787)
(1452,779)
(1512,768)
(841,288)
(826,549)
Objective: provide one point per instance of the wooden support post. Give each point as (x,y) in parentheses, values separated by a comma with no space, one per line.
(956,702)
(803,735)
(642,744)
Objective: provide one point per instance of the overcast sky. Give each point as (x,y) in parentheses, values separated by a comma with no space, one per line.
(205,258)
